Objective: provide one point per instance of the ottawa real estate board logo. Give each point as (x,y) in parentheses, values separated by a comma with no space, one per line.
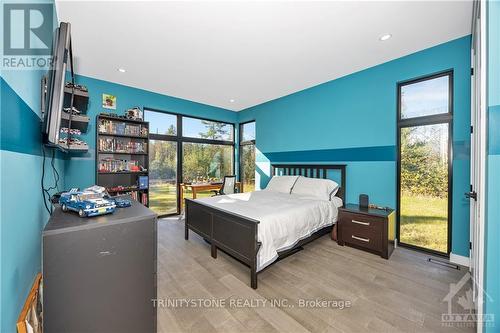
(461,308)
(27,35)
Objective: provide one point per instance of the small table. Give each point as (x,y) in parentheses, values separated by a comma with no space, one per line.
(200,187)
(368,229)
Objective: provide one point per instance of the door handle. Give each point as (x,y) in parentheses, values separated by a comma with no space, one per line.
(471,195)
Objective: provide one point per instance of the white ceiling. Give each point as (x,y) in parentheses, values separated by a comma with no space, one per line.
(252,52)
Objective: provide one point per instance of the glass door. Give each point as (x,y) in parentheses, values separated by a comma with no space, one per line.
(424,162)
(247,156)
(247,167)
(424,187)
(163,177)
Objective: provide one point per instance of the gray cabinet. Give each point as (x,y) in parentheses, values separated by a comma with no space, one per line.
(99,273)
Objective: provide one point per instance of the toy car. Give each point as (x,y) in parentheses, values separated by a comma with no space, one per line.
(74,144)
(120,202)
(87,203)
(72,110)
(72,131)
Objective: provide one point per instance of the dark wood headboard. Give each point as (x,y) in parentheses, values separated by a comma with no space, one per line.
(313,171)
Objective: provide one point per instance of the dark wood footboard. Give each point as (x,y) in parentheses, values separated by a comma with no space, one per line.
(230,232)
(237,235)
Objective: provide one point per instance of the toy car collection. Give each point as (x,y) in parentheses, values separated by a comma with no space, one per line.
(92,201)
(77,86)
(72,110)
(74,144)
(72,131)
(87,203)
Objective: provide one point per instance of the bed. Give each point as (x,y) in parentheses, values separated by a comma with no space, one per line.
(259,228)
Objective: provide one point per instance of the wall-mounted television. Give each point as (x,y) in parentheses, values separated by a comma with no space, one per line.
(53,85)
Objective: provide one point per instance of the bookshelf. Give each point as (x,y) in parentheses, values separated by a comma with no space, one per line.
(122,156)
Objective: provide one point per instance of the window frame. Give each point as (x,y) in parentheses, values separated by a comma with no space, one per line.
(179,139)
(240,148)
(442,118)
(429,119)
(163,136)
(201,140)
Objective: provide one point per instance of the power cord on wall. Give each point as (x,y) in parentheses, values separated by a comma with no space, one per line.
(46,191)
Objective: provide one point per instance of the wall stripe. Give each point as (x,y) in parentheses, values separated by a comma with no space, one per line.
(358,154)
(494,131)
(381,153)
(20,126)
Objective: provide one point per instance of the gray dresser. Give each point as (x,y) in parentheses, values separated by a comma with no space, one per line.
(99,273)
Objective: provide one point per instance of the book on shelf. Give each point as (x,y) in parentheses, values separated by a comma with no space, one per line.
(117,127)
(123,137)
(117,145)
(116,165)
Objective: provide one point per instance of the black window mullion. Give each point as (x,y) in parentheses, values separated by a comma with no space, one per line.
(162,137)
(179,162)
(427,120)
(207,141)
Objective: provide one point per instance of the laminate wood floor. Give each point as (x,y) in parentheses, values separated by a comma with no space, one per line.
(403,294)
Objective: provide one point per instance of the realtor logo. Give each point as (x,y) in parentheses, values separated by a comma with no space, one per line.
(27,29)
(461,309)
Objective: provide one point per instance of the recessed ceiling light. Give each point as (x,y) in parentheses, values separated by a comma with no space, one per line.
(121,70)
(231,100)
(385,37)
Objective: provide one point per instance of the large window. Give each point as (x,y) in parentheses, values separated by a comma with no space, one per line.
(206,129)
(425,98)
(247,156)
(161,123)
(424,164)
(203,162)
(185,150)
(163,176)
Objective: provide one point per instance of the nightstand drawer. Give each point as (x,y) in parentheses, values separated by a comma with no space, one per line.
(362,221)
(366,237)
(367,229)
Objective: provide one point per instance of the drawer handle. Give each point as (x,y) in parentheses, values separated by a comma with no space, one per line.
(366,240)
(359,222)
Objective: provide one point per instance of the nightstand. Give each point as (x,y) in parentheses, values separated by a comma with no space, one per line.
(367,229)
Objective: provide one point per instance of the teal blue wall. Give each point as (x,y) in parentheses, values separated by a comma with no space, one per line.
(22,214)
(353,120)
(80,170)
(492,229)
(21,161)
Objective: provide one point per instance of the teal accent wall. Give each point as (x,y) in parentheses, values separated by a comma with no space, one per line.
(80,170)
(492,227)
(22,214)
(353,120)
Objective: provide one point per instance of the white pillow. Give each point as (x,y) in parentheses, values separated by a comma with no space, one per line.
(322,189)
(282,184)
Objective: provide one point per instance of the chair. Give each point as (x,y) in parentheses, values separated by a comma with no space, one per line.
(228,186)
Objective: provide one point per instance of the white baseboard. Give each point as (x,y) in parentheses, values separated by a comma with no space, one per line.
(459,260)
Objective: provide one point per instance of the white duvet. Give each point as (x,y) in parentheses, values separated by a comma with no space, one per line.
(284,218)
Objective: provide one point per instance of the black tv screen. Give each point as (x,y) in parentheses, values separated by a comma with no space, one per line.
(52,100)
